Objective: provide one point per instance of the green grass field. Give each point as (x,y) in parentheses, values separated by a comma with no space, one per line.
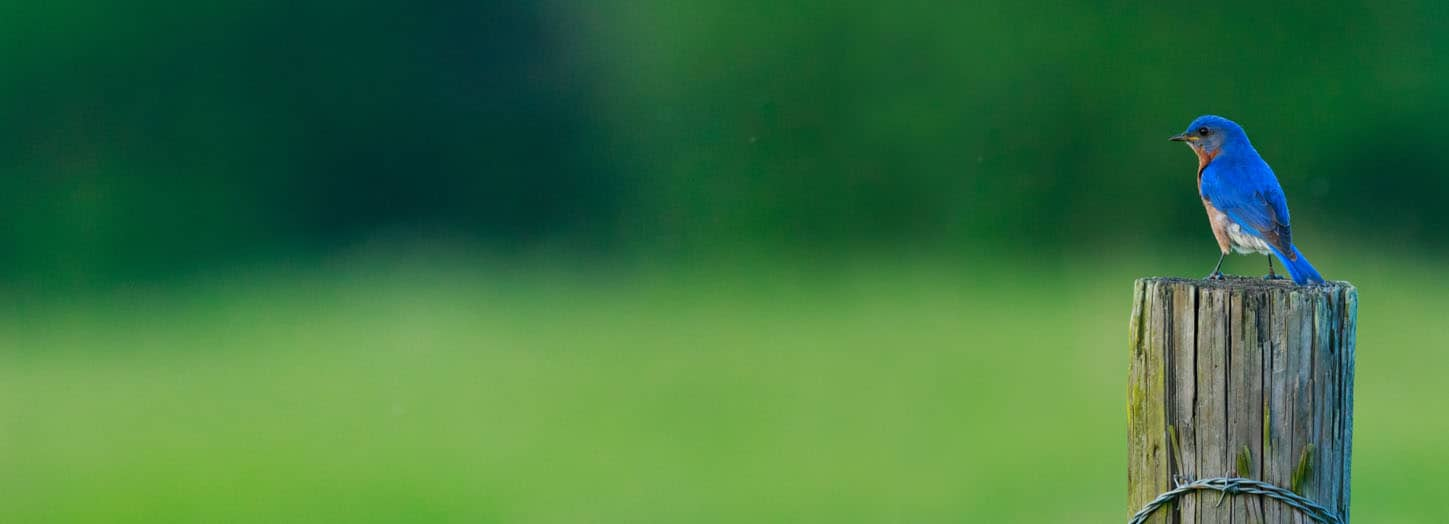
(424,392)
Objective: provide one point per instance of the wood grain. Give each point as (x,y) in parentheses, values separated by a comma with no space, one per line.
(1246,378)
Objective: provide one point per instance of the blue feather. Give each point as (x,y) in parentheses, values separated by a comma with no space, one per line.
(1240,184)
(1299,269)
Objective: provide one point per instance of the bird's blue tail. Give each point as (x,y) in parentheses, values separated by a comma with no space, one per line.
(1301,271)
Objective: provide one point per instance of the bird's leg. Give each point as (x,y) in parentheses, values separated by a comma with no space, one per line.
(1217,273)
(1271,275)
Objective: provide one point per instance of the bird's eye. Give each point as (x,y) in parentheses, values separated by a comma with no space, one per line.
(1202,131)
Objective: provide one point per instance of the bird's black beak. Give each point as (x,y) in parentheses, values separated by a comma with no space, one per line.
(1182,138)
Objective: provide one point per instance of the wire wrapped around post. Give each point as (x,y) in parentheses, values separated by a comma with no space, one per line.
(1240,486)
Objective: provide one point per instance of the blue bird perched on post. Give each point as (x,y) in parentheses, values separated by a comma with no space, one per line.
(1245,204)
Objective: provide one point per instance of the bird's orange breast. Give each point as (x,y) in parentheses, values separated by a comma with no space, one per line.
(1203,159)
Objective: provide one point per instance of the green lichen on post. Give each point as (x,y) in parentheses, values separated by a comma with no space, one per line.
(1147,474)
(1267,429)
(1305,468)
(1245,461)
(1134,400)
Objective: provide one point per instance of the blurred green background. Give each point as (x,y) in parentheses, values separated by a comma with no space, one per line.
(654,261)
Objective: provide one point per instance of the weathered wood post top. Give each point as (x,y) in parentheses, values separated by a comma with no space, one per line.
(1241,378)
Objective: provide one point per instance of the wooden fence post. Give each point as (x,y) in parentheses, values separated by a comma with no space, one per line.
(1240,378)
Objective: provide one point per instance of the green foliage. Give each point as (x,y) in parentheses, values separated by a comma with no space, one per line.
(167,136)
(160,149)
(435,391)
(843,123)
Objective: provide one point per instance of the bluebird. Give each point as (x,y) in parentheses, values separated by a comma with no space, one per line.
(1245,205)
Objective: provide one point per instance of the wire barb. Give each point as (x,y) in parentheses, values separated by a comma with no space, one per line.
(1237,486)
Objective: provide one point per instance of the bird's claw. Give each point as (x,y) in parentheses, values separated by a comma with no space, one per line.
(1216,275)
(1271,276)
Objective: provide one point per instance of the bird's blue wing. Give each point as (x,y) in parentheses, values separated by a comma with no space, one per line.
(1251,196)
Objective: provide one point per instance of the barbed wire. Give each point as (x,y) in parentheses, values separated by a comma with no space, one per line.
(1235,486)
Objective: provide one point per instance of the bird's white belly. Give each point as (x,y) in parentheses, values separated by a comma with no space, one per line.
(1244,242)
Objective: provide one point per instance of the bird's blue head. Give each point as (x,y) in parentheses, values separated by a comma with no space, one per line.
(1207,135)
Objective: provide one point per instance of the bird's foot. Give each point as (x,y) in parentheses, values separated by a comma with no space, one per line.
(1271,276)
(1216,275)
